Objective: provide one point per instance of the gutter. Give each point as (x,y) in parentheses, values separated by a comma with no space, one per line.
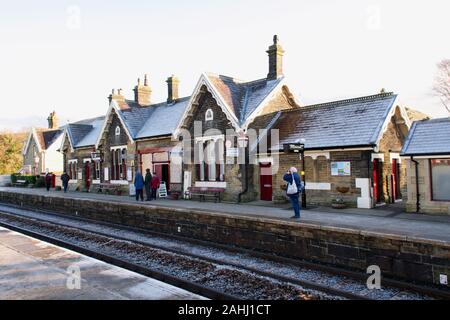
(417,184)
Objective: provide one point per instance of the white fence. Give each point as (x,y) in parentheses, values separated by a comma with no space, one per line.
(4,180)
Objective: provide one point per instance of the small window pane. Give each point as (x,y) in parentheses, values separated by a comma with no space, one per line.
(440,170)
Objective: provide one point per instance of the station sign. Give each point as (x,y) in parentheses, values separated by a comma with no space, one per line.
(293,147)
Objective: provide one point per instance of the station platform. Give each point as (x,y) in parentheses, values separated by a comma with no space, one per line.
(34,270)
(383,221)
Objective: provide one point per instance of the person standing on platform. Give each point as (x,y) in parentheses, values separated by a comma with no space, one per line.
(155,184)
(293,190)
(147,184)
(48,180)
(139,186)
(65,181)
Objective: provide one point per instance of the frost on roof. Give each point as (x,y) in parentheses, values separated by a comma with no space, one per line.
(428,137)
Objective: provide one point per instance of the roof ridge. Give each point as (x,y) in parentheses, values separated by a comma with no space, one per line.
(158,103)
(363,98)
(444,119)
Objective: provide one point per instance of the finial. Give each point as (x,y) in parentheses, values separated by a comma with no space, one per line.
(139,81)
(275,39)
(383,90)
(113,91)
(145,80)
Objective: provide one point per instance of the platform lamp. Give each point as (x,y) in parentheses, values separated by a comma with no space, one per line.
(298,147)
(302,145)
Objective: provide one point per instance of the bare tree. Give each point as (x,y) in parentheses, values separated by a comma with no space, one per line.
(442,83)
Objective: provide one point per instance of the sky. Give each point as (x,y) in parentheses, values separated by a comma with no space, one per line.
(68,55)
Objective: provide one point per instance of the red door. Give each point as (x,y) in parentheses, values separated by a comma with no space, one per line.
(394,180)
(87,174)
(163,172)
(376,181)
(265,181)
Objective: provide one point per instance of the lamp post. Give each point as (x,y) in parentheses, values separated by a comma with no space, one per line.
(299,147)
(302,143)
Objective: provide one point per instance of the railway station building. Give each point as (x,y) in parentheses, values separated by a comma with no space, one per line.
(426,153)
(40,152)
(229,134)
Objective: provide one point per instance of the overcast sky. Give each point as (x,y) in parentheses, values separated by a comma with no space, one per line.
(68,55)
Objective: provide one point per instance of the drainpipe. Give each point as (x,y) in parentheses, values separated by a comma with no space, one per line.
(417,184)
(244,168)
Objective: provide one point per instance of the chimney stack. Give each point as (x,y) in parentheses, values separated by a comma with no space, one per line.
(52,121)
(117,96)
(275,53)
(142,93)
(172,88)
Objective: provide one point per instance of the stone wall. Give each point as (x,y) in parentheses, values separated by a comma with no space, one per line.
(318,173)
(398,256)
(426,204)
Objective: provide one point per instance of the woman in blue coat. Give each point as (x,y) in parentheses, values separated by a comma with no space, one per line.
(290,177)
(139,186)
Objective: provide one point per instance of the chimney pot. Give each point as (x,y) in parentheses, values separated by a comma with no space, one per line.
(52,121)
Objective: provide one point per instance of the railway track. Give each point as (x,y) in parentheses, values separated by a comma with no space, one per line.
(215,294)
(212,291)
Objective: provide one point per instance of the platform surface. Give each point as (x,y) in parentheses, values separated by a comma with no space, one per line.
(387,221)
(31,269)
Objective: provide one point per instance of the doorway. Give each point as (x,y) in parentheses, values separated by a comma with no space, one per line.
(395,180)
(163,172)
(265,181)
(377,180)
(87,175)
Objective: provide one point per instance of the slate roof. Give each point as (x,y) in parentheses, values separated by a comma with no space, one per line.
(46,137)
(345,123)
(151,121)
(428,137)
(84,133)
(242,97)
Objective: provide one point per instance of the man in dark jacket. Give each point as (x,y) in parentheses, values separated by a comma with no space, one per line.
(147,184)
(65,181)
(139,186)
(290,177)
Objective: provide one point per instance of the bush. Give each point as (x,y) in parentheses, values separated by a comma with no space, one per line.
(28,179)
(40,182)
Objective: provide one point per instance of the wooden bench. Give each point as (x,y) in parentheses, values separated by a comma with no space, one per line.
(108,188)
(20,183)
(204,192)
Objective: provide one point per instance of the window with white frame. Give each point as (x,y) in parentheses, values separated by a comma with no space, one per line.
(118,163)
(117,131)
(73,169)
(440,179)
(211,166)
(97,170)
(209,115)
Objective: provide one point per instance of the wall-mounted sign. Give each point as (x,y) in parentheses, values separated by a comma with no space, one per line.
(232,152)
(340,168)
(293,147)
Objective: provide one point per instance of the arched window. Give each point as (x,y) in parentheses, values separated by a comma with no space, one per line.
(209,115)
(117,131)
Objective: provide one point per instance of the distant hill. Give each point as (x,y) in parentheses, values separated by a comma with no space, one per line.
(11,145)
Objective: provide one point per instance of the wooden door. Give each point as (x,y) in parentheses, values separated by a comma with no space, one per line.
(265,181)
(395,180)
(377,181)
